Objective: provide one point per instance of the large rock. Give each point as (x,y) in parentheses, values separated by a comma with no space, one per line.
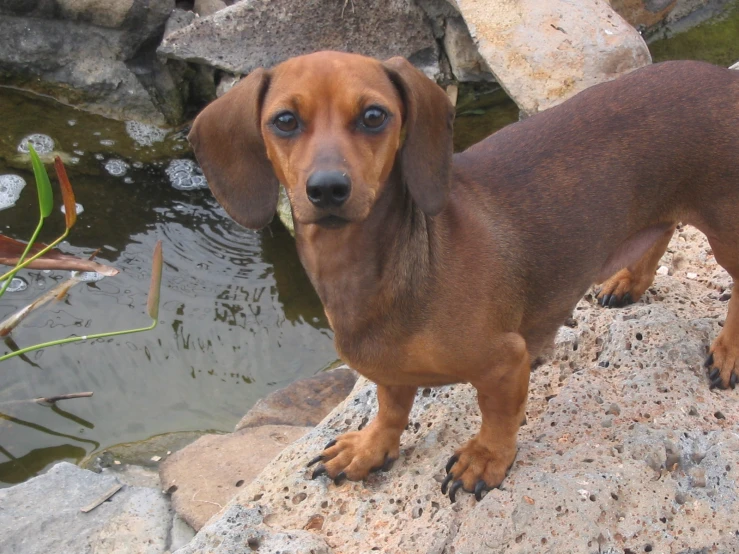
(205,475)
(242,530)
(625,450)
(545,52)
(467,63)
(96,55)
(262,33)
(43,515)
(304,402)
(137,21)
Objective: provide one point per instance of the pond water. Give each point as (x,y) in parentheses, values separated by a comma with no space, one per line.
(238,316)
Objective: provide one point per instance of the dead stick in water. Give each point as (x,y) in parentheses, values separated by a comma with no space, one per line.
(52,399)
(49,399)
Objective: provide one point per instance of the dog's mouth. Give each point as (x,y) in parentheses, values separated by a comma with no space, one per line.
(332,222)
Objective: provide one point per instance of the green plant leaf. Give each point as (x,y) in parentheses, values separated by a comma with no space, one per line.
(152,303)
(43,185)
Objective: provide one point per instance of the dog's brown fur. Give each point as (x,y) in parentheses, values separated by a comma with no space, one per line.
(442,269)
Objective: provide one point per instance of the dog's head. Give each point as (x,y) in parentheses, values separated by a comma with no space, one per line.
(330,127)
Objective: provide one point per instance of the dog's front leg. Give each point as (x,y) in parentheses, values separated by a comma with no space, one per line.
(354,455)
(481,464)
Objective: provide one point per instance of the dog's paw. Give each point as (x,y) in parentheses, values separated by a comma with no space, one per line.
(619,290)
(476,469)
(723,363)
(355,455)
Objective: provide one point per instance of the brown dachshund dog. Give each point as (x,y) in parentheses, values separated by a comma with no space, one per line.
(436,268)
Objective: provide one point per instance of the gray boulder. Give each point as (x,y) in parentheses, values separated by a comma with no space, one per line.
(43,515)
(96,55)
(262,33)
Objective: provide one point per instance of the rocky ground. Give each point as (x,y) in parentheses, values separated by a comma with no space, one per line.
(626,449)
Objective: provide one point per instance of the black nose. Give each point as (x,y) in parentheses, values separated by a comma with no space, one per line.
(328,189)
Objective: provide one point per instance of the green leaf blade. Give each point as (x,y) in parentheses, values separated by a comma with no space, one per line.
(43,185)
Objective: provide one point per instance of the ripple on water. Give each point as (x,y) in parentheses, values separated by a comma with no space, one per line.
(10,190)
(186,175)
(43,144)
(116,168)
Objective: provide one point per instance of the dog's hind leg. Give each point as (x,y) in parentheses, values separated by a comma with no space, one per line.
(354,455)
(628,284)
(482,462)
(723,357)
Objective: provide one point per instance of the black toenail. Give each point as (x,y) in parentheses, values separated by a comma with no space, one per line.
(453,491)
(445,483)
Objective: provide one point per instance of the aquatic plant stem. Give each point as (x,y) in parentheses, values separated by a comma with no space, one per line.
(8,277)
(77,339)
(21,264)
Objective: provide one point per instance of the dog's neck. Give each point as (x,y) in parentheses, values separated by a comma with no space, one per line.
(367,270)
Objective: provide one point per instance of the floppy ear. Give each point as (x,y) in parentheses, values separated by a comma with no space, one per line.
(228,144)
(426,155)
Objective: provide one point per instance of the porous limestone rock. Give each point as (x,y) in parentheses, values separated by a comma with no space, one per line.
(625,448)
(243,530)
(205,475)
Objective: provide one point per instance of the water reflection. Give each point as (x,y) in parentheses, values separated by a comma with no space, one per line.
(238,316)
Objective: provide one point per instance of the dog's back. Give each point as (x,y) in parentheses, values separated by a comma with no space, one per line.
(588,185)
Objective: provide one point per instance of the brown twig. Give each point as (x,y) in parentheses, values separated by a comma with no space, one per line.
(49,399)
(52,399)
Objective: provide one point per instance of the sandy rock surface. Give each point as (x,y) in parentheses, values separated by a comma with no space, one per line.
(205,475)
(625,450)
(545,52)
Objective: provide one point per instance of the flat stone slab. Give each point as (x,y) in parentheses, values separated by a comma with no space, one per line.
(43,516)
(205,475)
(255,33)
(304,402)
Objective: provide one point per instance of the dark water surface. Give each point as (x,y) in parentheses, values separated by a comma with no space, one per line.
(238,316)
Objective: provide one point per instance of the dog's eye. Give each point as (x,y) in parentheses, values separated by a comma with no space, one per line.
(286,122)
(374,118)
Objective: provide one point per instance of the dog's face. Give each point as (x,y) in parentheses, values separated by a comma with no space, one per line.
(330,127)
